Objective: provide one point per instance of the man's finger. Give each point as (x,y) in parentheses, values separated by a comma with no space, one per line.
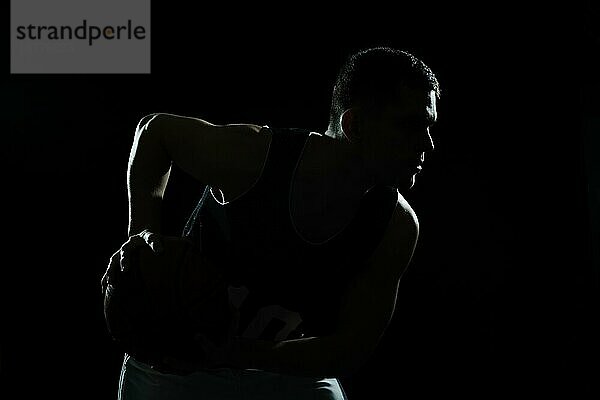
(110,270)
(133,242)
(153,240)
(130,244)
(112,264)
(156,246)
(103,282)
(124,259)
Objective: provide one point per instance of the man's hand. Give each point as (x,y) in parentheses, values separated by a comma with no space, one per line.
(120,260)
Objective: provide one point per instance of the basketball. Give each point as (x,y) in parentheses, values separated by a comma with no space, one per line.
(162,301)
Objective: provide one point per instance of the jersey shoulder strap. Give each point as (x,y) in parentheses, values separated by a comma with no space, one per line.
(284,150)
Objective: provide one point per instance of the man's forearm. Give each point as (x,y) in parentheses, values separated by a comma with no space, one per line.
(325,356)
(147,176)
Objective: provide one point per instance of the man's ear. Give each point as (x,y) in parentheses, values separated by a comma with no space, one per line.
(350,123)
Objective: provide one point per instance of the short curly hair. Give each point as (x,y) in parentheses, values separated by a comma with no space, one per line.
(374,77)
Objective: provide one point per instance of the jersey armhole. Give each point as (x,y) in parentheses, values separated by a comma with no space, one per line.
(222,202)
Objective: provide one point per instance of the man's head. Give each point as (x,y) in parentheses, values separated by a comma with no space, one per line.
(384,100)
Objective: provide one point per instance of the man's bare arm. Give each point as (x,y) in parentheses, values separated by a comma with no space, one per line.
(147,175)
(369,306)
(228,157)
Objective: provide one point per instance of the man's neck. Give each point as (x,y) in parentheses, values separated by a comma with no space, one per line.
(341,165)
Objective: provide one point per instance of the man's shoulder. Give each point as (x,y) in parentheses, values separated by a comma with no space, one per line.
(228,157)
(174,123)
(391,205)
(286,131)
(403,225)
(395,249)
(402,229)
(404,213)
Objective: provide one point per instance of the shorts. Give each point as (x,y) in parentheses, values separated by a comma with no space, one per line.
(139,381)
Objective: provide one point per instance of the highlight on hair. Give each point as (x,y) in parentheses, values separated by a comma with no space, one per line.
(375,76)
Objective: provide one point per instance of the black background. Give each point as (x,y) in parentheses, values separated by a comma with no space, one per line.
(501,297)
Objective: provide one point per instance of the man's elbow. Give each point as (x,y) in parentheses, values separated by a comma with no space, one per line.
(150,130)
(148,120)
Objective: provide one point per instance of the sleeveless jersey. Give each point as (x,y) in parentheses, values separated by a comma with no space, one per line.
(284,286)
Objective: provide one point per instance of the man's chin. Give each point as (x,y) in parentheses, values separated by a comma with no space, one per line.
(404,184)
(402,180)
